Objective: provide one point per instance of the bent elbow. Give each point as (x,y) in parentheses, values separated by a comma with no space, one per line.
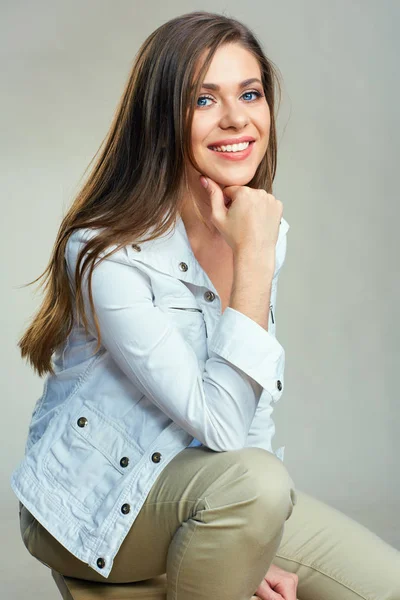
(226,443)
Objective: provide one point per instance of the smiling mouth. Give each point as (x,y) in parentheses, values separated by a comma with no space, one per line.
(233,157)
(215,148)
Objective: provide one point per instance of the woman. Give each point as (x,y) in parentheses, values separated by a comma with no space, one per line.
(149,451)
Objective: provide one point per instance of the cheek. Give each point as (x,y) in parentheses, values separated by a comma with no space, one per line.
(204,125)
(263,119)
(200,131)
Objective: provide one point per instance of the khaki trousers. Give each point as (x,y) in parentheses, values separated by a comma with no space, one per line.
(215,521)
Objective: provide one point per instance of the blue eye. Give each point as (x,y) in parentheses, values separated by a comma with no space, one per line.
(205,97)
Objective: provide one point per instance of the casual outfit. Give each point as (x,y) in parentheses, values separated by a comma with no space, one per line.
(154,454)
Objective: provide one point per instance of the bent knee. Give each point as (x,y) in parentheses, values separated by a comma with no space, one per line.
(270,480)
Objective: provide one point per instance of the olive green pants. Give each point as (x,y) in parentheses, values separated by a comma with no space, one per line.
(215,521)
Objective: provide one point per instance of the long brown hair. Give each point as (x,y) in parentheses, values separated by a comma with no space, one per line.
(137,181)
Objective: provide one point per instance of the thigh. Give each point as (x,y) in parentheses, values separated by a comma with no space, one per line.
(335,557)
(179,492)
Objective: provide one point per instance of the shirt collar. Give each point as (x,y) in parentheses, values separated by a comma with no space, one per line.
(172,254)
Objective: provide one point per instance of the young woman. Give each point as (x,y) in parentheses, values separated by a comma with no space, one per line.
(149,451)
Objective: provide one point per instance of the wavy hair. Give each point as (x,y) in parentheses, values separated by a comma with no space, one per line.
(137,181)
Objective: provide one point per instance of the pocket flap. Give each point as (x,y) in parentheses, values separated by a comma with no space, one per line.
(106,436)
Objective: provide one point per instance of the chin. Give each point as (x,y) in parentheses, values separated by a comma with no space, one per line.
(227,181)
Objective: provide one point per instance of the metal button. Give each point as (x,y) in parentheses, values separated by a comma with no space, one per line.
(136,247)
(279,385)
(183,266)
(156,457)
(209,296)
(101,563)
(125,508)
(124,462)
(82,422)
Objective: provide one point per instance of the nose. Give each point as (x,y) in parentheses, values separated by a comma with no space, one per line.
(235,115)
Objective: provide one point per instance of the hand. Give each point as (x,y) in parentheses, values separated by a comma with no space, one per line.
(244,216)
(278,585)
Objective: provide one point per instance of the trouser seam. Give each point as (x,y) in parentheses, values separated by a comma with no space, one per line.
(313,566)
(180,563)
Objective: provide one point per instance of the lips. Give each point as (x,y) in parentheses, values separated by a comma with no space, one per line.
(233,155)
(230,142)
(219,145)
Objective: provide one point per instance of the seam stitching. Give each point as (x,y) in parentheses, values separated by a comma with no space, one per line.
(313,566)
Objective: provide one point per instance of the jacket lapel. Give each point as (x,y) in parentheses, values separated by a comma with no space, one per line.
(172,254)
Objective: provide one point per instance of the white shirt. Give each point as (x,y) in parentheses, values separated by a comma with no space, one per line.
(171,372)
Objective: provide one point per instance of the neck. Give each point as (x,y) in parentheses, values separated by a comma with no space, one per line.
(198,232)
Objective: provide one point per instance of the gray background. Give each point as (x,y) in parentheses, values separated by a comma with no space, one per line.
(64,65)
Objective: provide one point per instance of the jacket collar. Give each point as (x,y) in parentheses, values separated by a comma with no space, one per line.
(172,254)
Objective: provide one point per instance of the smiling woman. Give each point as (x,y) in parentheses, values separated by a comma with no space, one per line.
(236,113)
(232,133)
(150,450)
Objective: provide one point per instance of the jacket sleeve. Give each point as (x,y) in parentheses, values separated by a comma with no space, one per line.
(215,403)
(262,428)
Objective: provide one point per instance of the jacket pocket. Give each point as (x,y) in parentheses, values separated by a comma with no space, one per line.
(85,462)
(187,317)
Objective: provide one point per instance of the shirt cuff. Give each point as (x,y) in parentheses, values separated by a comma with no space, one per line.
(280,453)
(244,343)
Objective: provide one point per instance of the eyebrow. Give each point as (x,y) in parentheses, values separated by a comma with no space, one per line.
(243,84)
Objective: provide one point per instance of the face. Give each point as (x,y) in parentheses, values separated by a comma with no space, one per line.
(230,112)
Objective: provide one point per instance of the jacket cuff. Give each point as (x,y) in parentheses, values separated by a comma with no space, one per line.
(244,343)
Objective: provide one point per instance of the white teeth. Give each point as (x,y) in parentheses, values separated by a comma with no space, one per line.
(231,148)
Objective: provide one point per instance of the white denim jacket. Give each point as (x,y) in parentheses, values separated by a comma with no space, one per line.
(171,372)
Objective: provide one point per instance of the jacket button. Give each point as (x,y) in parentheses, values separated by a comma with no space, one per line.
(101,563)
(124,462)
(279,385)
(136,247)
(82,422)
(209,296)
(183,266)
(125,508)
(156,457)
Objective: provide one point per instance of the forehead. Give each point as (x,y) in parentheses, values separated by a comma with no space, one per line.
(230,66)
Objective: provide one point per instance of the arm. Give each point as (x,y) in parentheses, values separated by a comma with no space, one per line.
(262,428)
(216,405)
